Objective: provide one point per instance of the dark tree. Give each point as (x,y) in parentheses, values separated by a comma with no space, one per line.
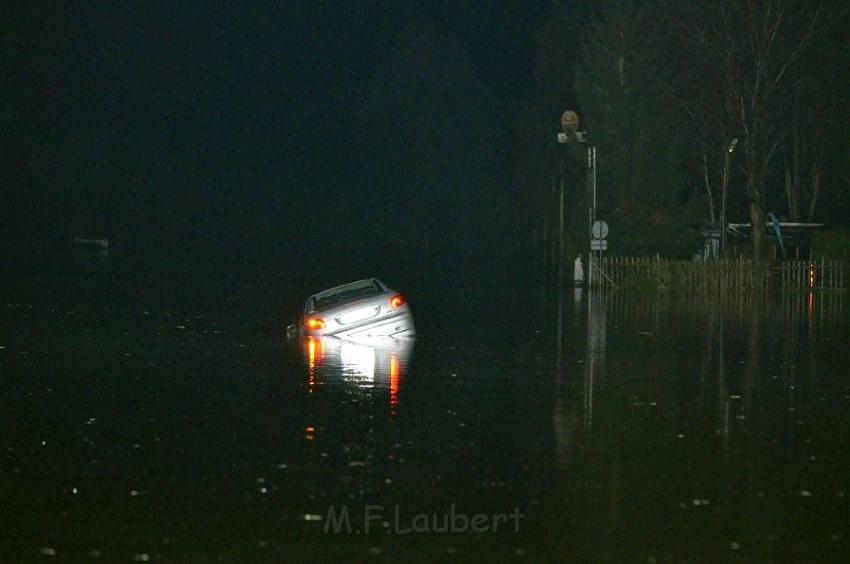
(754,54)
(624,87)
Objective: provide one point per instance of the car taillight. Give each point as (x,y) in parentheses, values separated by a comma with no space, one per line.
(396,301)
(315,323)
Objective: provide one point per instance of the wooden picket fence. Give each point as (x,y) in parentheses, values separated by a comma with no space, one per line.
(719,275)
(822,274)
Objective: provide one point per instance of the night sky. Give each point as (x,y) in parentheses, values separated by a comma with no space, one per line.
(333,129)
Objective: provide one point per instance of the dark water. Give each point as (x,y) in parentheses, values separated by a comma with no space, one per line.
(152,411)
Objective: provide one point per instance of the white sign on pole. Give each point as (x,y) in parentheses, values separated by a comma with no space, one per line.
(599,229)
(599,244)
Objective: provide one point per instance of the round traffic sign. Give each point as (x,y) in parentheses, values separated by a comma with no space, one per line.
(599,229)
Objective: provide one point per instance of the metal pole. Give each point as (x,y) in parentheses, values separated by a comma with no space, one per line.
(561,232)
(560,288)
(593,176)
(726,155)
(593,182)
(590,212)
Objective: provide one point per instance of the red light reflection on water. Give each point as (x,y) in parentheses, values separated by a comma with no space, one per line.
(395,377)
(810,305)
(315,354)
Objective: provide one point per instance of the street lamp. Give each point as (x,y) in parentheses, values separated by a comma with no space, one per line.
(726,158)
(732,145)
(571,134)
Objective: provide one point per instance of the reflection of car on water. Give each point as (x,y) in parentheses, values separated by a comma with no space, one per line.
(362,309)
(365,364)
(362,361)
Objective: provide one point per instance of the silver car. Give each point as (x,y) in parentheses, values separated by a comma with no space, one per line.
(362,309)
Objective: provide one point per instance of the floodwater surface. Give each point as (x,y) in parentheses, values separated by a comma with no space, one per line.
(171,421)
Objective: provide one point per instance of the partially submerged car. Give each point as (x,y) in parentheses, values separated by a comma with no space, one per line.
(362,309)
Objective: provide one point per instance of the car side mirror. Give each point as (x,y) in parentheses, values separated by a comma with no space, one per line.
(291,331)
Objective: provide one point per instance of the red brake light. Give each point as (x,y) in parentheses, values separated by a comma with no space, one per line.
(396,301)
(315,323)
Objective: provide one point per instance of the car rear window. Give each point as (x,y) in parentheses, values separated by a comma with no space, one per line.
(348,292)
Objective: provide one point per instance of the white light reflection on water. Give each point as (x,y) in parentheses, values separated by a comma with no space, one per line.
(366,364)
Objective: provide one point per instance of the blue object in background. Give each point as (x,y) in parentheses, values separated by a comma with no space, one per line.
(778,232)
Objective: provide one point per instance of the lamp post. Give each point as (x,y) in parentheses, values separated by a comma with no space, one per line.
(571,134)
(591,208)
(727,155)
(569,125)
